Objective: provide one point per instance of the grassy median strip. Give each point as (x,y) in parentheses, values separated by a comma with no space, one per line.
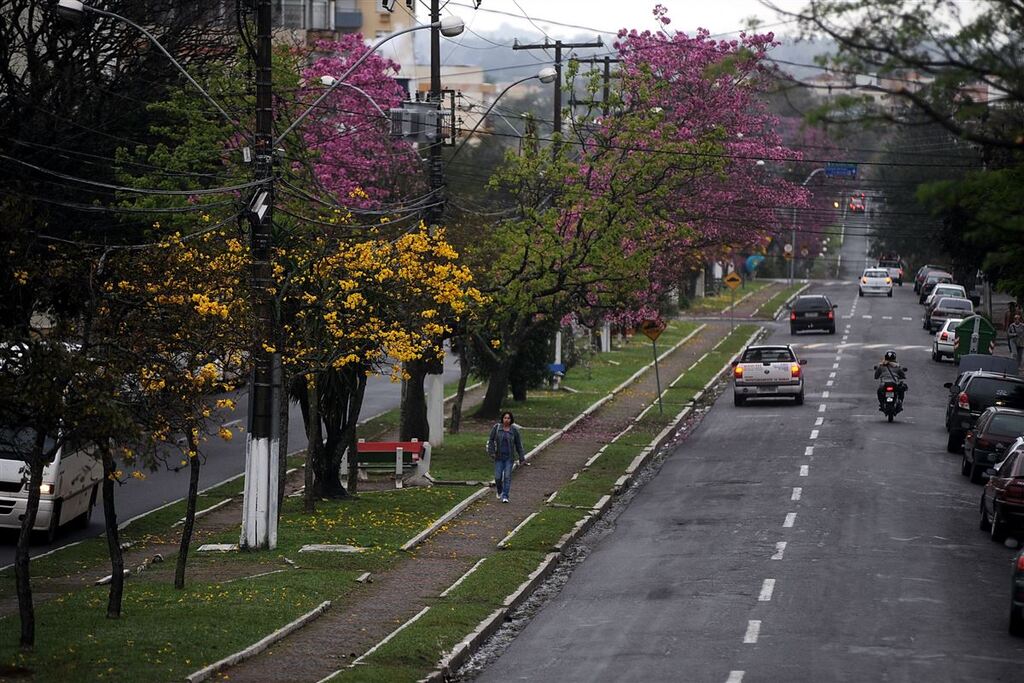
(769,307)
(725,298)
(231,600)
(417,649)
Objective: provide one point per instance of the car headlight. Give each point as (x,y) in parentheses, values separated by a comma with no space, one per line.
(46,489)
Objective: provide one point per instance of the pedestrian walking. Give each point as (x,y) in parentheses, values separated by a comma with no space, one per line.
(1015,335)
(1011,313)
(504,445)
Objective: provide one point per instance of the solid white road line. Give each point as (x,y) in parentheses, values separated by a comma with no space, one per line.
(797,492)
(753,630)
(780,549)
(767,588)
(790,520)
(804,470)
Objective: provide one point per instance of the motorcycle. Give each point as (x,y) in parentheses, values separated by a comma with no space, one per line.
(890,392)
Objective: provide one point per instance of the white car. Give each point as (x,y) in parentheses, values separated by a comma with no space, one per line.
(945,339)
(875,281)
(768,372)
(945,290)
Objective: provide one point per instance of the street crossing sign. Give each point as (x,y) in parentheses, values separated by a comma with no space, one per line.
(652,329)
(837,170)
(732,280)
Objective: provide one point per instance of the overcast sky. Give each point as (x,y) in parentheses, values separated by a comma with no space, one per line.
(562,18)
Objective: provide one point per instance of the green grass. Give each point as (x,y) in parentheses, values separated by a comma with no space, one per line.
(166,634)
(769,307)
(719,302)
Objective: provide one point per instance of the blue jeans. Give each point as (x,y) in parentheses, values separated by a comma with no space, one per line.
(503,475)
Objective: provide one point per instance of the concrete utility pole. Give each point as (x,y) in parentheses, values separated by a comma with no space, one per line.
(259,512)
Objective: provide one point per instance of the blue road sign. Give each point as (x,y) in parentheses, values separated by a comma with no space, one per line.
(834,170)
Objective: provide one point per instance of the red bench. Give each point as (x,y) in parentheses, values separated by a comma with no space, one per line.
(399,457)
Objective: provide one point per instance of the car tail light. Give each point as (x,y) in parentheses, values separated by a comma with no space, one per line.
(792,315)
(943,336)
(1014,490)
(737,371)
(1020,563)
(831,315)
(963,401)
(794,370)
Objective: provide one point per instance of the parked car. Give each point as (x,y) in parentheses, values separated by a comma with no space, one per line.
(1017,595)
(1002,500)
(983,361)
(945,308)
(875,281)
(945,289)
(945,340)
(895,268)
(922,272)
(986,443)
(812,312)
(69,489)
(978,390)
(768,372)
(934,277)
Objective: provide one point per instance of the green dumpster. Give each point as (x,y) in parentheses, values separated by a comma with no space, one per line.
(974,335)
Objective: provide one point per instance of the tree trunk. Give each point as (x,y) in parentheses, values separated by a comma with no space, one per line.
(460,394)
(21,575)
(314,449)
(518,385)
(113,537)
(414,404)
(190,509)
(497,388)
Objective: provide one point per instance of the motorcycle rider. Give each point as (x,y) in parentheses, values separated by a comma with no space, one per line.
(890,370)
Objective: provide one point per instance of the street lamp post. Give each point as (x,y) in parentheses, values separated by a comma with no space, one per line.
(792,260)
(545,75)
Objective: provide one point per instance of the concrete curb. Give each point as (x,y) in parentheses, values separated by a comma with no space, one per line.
(778,311)
(254,649)
(444,519)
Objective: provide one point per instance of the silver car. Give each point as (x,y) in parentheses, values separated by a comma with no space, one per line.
(875,281)
(945,340)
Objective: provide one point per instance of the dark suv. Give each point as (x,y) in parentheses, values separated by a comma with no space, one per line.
(812,312)
(978,391)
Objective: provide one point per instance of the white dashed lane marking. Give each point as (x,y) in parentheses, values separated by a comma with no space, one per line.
(814,433)
(767,588)
(829,383)
(907,318)
(790,520)
(753,630)
(735,677)
(886,317)
(819,421)
(780,549)
(797,492)
(821,408)
(831,375)
(804,469)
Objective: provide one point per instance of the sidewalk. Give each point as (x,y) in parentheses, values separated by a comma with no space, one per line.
(375,610)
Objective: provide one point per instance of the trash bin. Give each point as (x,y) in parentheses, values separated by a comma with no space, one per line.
(974,335)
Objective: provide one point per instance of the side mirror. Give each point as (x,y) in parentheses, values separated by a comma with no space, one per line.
(905,369)
(803,361)
(1000,446)
(835,305)
(948,385)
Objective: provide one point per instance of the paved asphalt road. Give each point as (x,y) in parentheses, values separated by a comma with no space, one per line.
(225,460)
(786,543)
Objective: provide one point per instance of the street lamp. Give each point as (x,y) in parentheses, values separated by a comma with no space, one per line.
(792,260)
(545,75)
(75,10)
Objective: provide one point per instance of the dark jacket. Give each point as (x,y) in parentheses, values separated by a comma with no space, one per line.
(516,442)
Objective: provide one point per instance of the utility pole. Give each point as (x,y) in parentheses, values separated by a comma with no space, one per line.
(557,45)
(606,78)
(259,513)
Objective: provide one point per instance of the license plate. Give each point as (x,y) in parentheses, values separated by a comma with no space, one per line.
(888,399)
(810,315)
(767,390)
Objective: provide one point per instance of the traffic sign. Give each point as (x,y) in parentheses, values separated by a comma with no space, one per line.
(838,170)
(787,248)
(652,329)
(732,280)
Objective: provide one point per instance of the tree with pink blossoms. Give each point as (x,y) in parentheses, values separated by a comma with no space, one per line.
(610,217)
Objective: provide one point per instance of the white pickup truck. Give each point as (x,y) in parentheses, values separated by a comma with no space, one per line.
(768,372)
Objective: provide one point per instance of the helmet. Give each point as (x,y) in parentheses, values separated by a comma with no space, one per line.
(890,356)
